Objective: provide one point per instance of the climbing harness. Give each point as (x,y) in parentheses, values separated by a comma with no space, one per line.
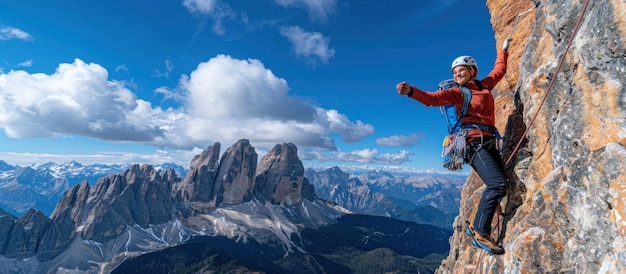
(454,146)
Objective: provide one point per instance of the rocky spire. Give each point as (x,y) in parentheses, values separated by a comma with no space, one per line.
(235,177)
(66,218)
(280,176)
(198,184)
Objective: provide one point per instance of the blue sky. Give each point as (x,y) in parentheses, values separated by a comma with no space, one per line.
(159,81)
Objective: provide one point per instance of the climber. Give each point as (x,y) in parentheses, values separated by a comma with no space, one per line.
(479,132)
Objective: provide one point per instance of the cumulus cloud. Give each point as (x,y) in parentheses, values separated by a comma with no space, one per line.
(399,140)
(319,10)
(247,99)
(312,46)
(8,33)
(223,100)
(77,99)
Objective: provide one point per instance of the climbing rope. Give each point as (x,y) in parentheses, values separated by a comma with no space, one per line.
(482,252)
(558,68)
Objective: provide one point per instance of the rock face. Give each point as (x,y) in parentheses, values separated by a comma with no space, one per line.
(197,186)
(66,216)
(6,224)
(137,196)
(212,181)
(280,176)
(567,195)
(235,177)
(25,234)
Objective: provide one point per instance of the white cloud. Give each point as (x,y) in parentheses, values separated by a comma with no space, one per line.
(27,63)
(350,132)
(367,155)
(399,140)
(8,33)
(77,99)
(214,9)
(224,99)
(169,67)
(200,6)
(309,45)
(319,10)
(242,98)
(122,67)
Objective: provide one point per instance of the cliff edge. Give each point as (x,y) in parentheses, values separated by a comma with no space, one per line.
(566,201)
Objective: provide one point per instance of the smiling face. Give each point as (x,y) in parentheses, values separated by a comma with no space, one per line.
(461,75)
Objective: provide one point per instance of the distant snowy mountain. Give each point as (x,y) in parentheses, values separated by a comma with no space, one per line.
(41,186)
(427,199)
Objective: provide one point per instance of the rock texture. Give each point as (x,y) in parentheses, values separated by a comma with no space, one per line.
(567,195)
(197,186)
(235,177)
(26,234)
(280,176)
(6,224)
(137,196)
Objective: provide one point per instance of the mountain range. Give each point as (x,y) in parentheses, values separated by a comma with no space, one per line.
(226,203)
(41,186)
(423,198)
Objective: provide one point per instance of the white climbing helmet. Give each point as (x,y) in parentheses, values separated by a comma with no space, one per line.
(466,60)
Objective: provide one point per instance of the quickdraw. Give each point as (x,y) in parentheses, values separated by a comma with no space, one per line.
(453,150)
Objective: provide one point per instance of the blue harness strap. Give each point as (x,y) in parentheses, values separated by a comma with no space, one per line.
(467,97)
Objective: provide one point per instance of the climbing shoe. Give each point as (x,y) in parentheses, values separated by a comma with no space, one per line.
(483,242)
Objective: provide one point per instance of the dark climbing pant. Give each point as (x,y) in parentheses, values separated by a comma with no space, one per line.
(485,159)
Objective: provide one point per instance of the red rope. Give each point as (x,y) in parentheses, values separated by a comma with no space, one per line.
(550,85)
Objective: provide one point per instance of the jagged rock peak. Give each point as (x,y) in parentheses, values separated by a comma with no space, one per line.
(139,196)
(23,240)
(235,178)
(280,175)
(197,186)
(67,216)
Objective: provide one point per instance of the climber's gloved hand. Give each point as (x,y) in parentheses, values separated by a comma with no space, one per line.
(505,46)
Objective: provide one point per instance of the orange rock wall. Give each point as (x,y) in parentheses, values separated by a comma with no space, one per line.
(566,207)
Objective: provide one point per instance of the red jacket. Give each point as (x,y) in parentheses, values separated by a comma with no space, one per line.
(481,108)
